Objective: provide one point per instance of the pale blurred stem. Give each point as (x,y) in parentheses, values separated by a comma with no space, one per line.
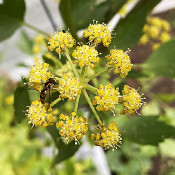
(55,102)
(54,154)
(90,88)
(76,103)
(71,64)
(82,74)
(46,9)
(92,107)
(101,71)
(33,28)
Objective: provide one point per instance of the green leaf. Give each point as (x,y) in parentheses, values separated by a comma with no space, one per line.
(21,101)
(27,153)
(161,61)
(26,44)
(113,158)
(33,95)
(146,130)
(11,17)
(114,7)
(170,144)
(65,150)
(136,74)
(48,60)
(151,108)
(22,65)
(168,98)
(83,12)
(129,30)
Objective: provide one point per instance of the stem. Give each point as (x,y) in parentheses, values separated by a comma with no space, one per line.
(92,107)
(83,71)
(71,64)
(57,62)
(98,73)
(94,81)
(34,28)
(67,16)
(90,88)
(78,97)
(76,103)
(57,78)
(55,102)
(46,9)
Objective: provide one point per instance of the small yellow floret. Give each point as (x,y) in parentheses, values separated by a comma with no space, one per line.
(153,32)
(164,37)
(107,137)
(39,74)
(98,33)
(39,115)
(121,61)
(72,128)
(85,55)
(39,44)
(144,39)
(107,98)
(156,46)
(61,41)
(69,87)
(132,100)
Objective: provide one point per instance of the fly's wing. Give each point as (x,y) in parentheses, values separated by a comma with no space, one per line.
(27,84)
(50,95)
(29,87)
(50,89)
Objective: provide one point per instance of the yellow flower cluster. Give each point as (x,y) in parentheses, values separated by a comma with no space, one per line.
(131,99)
(155,32)
(61,41)
(107,137)
(39,44)
(69,87)
(121,61)
(85,56)
(107,98)
(39,115)
(73,127)
(98,33)
(39,74)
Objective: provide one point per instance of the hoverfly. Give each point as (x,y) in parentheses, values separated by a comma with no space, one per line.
(47,87)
